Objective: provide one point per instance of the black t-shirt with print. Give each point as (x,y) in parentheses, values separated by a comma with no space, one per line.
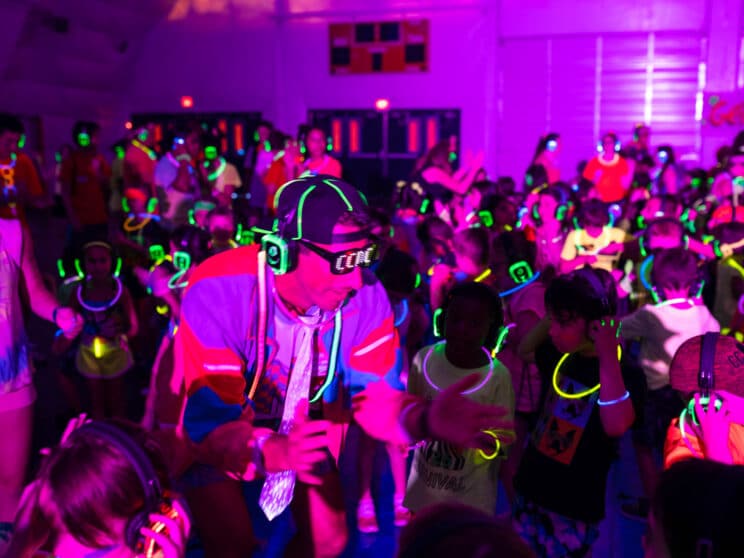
(568,455)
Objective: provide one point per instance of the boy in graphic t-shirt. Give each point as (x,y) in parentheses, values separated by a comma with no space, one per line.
(441,471)
(592,399)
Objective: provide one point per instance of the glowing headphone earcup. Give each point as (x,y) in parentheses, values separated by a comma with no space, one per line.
(281,256)
(438,322)
(535,213)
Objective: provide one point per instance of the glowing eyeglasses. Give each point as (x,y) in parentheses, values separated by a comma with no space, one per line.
(345,261)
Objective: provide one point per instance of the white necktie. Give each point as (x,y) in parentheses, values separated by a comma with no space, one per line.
(278,487)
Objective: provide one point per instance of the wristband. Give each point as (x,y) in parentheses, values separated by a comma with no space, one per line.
(54,314)
(494,455)
(620,399)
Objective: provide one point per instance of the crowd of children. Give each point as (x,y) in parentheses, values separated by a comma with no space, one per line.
(585,308)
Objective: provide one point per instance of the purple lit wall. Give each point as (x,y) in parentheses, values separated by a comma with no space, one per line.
(517,69)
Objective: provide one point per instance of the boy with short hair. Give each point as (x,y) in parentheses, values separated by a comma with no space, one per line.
(678,315)
(594,232)
(592,399)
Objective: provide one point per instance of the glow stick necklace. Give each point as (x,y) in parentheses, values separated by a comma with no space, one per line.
(520,287)
(424,369)
(581,394)
(105,306)
(217,173)
(128,227)
(403,314)
(689,301)
(483,276)
(146,150)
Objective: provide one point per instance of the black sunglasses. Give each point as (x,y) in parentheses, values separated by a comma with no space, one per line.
(345,261)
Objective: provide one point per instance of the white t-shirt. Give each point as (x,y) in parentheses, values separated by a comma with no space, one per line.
(580,243)
(442,472)
(662,329)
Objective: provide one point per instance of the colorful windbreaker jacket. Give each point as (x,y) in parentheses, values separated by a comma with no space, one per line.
(219,329)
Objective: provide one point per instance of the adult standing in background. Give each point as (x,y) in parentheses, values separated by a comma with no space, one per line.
(140,160)
(84,179)
(609,171)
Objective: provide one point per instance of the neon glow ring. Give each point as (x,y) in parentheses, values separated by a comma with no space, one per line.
(128,227)
(581,394)
(104,307)
(518,288)
(467,391)
(689,301)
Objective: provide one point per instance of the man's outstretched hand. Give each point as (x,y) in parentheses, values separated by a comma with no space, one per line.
(454,418)
(450,417)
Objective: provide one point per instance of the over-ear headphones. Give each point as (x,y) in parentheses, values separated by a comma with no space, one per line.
(154,499)
(598,289)
(152,206)
(281,249)
(561,210)
(82,132)
(496,328)
(550,142)
(116,261)
(706,376)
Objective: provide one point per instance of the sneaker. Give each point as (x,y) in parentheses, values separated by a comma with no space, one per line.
(636,510)
(366,518)
(402,515)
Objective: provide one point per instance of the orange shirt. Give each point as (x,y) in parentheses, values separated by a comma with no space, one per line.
(676,447)
(85,173)
(608,177)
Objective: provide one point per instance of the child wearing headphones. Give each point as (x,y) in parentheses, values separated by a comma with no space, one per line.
(221,225)
(677,315)
(103,355)
(189,246)
(548,214)
(471,320)
(142,236)
(471,248)
(102,491)
(590,402)
(706,372)
(594,232)
(522,290)
(398,273)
